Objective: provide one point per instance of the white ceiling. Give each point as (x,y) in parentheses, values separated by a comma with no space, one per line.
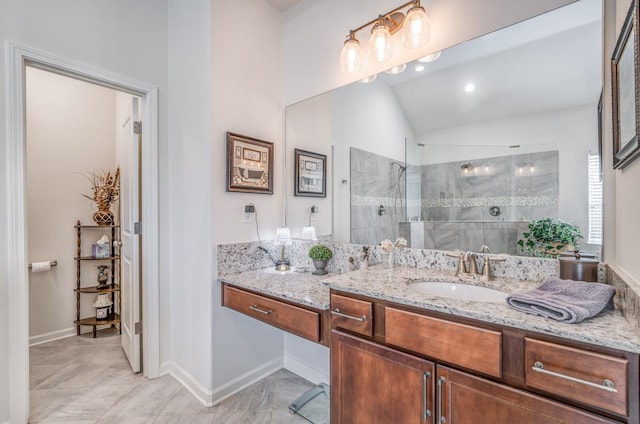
(546,63)
(283,5)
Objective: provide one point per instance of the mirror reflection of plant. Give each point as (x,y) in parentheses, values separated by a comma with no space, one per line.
(547,237)
(320,252)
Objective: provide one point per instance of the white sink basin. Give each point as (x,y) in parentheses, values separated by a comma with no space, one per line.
(459,291)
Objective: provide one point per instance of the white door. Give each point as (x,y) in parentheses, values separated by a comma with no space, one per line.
(128,158)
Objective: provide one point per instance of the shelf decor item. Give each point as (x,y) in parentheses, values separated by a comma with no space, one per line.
(103,305)
(103,276)
(547,237)
(320,254)
(106,191)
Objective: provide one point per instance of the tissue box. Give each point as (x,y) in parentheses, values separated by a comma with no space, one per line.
(100,250)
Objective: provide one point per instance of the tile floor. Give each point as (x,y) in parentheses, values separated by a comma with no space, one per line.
(81,380)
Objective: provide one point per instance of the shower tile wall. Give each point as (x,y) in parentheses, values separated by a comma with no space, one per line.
(499,236)
(375,181)
(522,193)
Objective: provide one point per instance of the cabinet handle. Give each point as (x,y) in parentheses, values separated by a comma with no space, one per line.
(607,385)
(441,417)
(427,411)
(262,311)
(337,312)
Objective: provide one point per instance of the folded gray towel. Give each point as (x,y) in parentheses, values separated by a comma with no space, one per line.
(564,300)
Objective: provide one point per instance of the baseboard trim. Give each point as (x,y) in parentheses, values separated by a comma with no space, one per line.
(244,381)
(305,371)
(54,335)
(210,398)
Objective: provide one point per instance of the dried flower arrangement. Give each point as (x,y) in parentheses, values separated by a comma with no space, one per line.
(106,191)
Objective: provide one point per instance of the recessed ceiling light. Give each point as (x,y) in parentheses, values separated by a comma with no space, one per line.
(469,88)
(396,69)
(419,68)
(370,78)
(430,58)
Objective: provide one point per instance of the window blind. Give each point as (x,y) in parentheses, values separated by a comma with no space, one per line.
(595,199)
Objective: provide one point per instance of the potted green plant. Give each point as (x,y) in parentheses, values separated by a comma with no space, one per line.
(320,254)
(547,237)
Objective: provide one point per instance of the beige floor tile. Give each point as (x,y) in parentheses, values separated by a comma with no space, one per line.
(184,419)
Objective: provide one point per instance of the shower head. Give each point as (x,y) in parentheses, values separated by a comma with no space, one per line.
(401,167)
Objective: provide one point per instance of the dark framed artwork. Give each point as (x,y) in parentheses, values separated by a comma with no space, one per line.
(249,164)
(624,83)
(310,177)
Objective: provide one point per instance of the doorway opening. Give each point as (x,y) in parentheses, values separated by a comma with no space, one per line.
(19,58)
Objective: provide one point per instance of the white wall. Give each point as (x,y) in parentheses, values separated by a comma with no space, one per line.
(308,127)
(119,36)
(245,86)
(70,133)
(622,221)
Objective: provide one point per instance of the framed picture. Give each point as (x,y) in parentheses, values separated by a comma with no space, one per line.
(310,174)
(249,164)
(624,83)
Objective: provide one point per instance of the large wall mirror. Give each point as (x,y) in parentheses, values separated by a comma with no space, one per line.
(465,150)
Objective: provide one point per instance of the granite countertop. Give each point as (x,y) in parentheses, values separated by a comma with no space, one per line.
(299,287)
(609,328)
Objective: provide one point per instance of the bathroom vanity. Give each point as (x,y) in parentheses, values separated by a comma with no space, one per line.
(398,355)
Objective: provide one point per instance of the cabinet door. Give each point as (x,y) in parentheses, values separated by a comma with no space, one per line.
(465,399)
(374,384)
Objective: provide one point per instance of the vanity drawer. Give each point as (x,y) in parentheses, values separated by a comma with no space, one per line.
(470,347)
(299,321)
(352,314)
(591,378)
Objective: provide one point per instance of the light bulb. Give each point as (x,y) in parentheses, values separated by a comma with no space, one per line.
(416,29)
(351,56)
(370,78)
(380,48)
(430,57)
(396,69)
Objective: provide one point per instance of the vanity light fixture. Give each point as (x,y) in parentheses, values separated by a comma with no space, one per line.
(415,28)
(283,238)
(369,79)
(469,88)
(524,169)
(396,69)
(430,57)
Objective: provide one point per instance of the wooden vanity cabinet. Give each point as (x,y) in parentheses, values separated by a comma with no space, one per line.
(303,322)
(419,368)
(371,383)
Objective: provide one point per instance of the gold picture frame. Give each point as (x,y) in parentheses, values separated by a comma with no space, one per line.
(249,164)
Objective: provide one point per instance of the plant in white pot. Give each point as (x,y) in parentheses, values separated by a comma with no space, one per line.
(320,254)
(547,237)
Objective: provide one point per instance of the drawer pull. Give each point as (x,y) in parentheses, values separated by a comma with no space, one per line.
(262,311)
(607,385)
(337,312)
(442,419)
(425,381)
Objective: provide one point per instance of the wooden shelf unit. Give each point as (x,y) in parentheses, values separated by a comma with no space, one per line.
(113,288)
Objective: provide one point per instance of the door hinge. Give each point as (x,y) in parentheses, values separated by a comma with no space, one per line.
(137,228)
(137,127)
(138,328)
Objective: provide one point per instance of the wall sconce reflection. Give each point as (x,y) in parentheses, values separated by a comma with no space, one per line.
(523,169)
